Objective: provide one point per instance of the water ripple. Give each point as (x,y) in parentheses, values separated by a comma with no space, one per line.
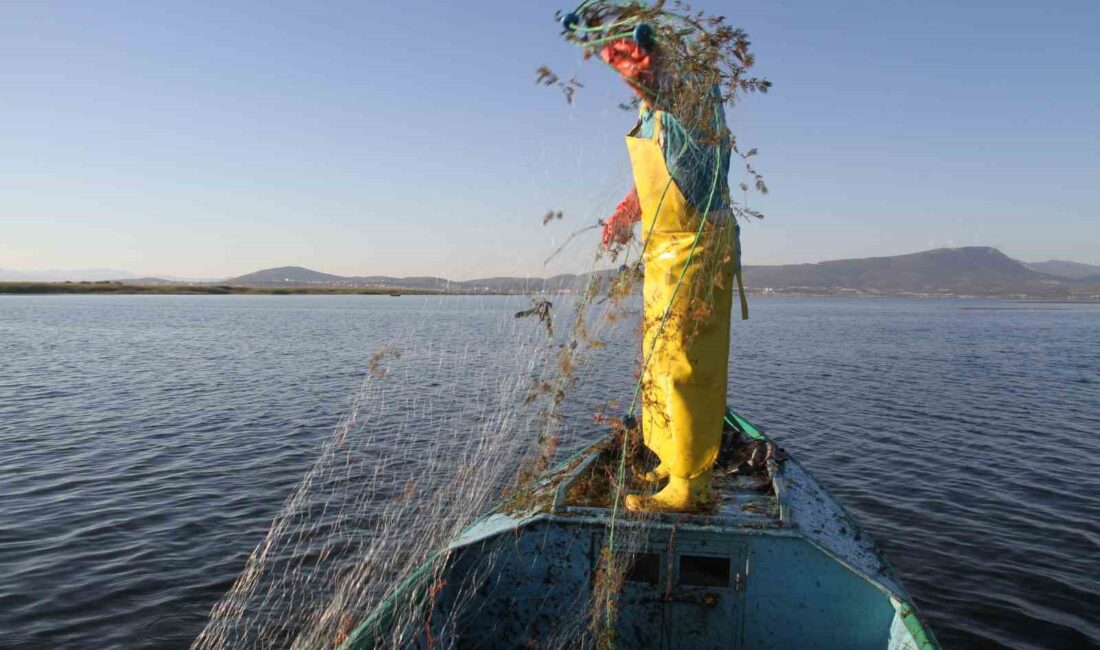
(146,442)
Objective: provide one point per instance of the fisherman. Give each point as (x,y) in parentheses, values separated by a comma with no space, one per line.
(680,154)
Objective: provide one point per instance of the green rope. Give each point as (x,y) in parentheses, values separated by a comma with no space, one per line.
(604,28)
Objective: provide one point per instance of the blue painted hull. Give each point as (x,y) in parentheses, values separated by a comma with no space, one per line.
(779,565)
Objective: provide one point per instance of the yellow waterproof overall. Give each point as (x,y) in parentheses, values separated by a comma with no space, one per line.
(684,380)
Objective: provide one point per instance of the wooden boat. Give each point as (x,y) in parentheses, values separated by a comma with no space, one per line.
(779,563)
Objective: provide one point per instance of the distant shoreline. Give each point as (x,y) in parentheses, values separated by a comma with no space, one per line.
(969,272)
(122,288)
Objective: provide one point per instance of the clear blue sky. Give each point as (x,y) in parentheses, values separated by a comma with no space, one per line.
(208,139)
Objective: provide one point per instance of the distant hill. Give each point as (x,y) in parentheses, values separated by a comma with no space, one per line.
(1072,270)
(977,270)
(286,275)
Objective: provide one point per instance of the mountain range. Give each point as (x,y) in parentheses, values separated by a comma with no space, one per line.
(974,270)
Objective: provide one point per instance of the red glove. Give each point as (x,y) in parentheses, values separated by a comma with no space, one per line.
(619,228)
(631,61)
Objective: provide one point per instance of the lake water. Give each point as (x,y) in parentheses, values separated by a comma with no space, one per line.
(146,442)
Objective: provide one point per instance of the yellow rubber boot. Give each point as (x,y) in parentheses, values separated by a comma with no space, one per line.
(680,495)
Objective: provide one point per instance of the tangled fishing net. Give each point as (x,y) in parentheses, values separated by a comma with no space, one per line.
(439,438)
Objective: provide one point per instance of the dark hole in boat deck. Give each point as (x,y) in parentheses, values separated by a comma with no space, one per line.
(704,571)
(646,567)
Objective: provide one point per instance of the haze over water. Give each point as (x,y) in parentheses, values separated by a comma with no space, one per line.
(146,442)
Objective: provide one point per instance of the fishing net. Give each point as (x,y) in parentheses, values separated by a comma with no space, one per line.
(435,438)
(440,437)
